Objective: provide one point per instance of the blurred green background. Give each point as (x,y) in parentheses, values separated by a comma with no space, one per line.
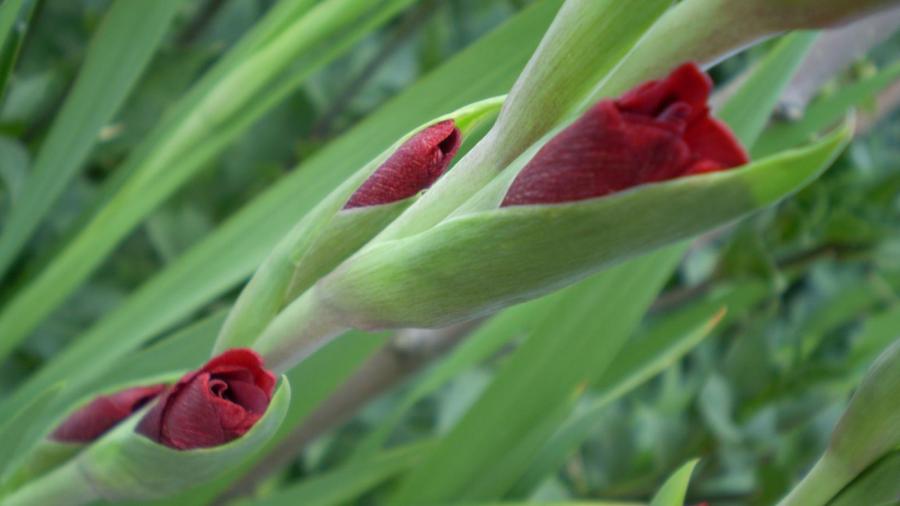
(811,287)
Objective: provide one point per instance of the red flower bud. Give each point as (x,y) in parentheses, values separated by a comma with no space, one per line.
(103,413)
(213,405)
(658,131)
(415,166)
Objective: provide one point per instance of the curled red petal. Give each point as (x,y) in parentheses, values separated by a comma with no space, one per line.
(213,405)
(413,167)
(661,130)
(103,413)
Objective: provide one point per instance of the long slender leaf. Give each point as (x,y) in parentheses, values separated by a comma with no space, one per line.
(344,483)
(20,430)
(877,486)
(674,490)
(634,365)
(823,112)
(485,341)
(117,56)
(172,156)
(12,36)
(556,359)
(223,259)
(564,352)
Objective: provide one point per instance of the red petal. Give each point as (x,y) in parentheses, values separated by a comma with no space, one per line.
(575,166)
(415,166)
(711,139)
(688,83)
(103,413)
(243,359)
(213,405)
(659,131)
(190,419)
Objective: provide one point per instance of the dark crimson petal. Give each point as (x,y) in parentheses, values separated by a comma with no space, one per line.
(711,139)
(189,420)
(661,130)
(688,83)
(103,413)
(214,405)
(574,166)
(248,396)
(415,166)
(242,359)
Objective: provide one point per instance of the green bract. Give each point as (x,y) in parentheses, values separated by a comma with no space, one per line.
(477,263)
(124,465)
(324,238)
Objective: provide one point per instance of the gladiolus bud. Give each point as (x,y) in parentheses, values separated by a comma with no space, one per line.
(213,405)
(659,131)
(103,413)
(415,166)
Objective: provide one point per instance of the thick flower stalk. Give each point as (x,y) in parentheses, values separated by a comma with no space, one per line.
(630,175)
(201,426)
(348,218)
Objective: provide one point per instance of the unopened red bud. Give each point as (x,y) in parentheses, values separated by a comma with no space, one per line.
(103,413)
(213,405)
(415,166)
(661,130)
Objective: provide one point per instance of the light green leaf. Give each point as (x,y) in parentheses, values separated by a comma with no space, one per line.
(344,483)
(877,486)
(645,357)
(572,347)
(484,342)
(674,490)
(763,86)
(222,260)
(22,429)
(824,112)
(205,121)
(118,54)
(12,37)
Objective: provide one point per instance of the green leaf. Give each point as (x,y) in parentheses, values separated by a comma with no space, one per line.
(573,346)
(478,263)
(644,357)
(225,258)
(765,85)
(13,171)
(12,37)
(118,54)
(484,342)
(878,485)
(674,490)
(346,482)
(22,429)
(868,430)
(823,112)
(206,120)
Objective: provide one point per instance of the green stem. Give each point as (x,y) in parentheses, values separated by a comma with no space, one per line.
(65,486)
(297,332)
(823,482)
